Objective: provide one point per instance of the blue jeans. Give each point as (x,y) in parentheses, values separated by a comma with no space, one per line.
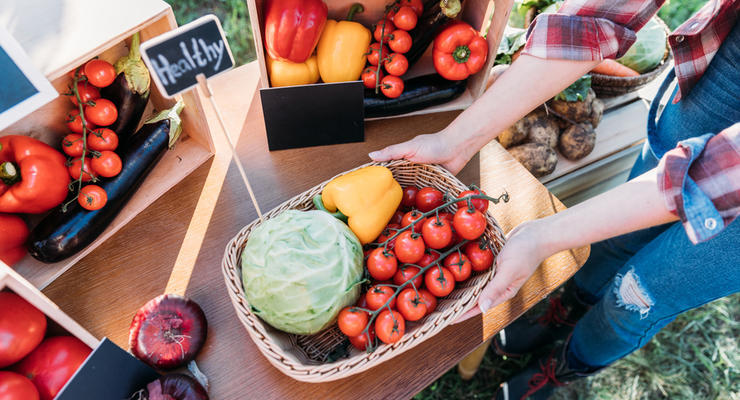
(639,282)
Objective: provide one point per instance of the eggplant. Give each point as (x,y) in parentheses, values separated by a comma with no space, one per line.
(63,233)
(129,91)
(437,13)
(418,93)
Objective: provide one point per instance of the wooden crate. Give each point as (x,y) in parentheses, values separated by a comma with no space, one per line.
(487,16)
(61,35)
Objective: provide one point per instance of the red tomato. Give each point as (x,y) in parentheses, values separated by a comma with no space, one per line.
(430,300)
(100,73)
(396,64)
(459,265)
(409,196)
(377,296)
(74,122)
(352,321)
(429,257)
(416,5)
(72,145)
(390,327)
(405,18)
(86,91)
(406,273)
(22,327)
(74,170)
(397,218)
(381,265)
(368,76)
(479,204)
(409,247)
(389,231)
(52,363)
(447,216)
(469,225)
(400,41)
(107,165)
(414,217)
(439,281)
(375,54)
(391,86)
(428,199)
(480,255)
(92,197)
(411,305)
(437,233)
(102,139)
(384,28)
(102,112)
(363,342)
(16,387)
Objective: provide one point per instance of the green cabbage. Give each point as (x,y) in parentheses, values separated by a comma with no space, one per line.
(648,50)
(300,269)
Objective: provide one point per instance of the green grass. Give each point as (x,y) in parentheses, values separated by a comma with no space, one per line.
(675,12)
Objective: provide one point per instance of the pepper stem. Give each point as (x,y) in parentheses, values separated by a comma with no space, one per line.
(355,9)
(320,206)
(461,54)
(9,173)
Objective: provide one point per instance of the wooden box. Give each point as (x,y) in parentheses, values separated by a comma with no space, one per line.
(61,35)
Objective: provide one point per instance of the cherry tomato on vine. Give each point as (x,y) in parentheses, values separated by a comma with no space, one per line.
(102,112)
(374,54)
(405,18)
(384,28)
(389,231)
(416,5)
(410,217)
(480,255)
(390,327)
(459,265)
(409,196)
(428,199)
(368,76)
(469,225)
(447,216)
(74,122)
(100,73)
(377,296)
(352,321)
(102,139)
(75,170)
(406,273)
(437,233)
(400,41)
(429,257)
(396,64)
(72,145)
(391,86)
(409,247)
(439,281)
(397,218)
(362,342)
(86,91)
(479,204)
(411,305)
(92,197)
(430,300)
(107,165)
(455,236)
(381,264)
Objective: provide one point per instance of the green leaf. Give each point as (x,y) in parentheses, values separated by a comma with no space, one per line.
(577,91)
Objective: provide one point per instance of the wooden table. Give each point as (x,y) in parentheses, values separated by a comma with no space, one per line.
(176,246)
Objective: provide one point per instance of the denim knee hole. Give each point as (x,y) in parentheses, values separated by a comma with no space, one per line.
(631,295)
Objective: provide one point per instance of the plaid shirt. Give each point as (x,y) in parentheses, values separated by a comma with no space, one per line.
(598,29)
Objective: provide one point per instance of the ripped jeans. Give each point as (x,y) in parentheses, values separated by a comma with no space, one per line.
(639,282)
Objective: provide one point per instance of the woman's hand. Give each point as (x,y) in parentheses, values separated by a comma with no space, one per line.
(434,148)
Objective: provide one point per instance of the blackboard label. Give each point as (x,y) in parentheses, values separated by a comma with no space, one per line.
(177,57)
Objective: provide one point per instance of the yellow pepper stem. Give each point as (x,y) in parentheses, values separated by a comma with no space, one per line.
(320,206)
(355,9)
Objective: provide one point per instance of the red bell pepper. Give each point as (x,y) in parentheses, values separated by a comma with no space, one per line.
(459,52)
(293,27)
(33,176)
(13,235)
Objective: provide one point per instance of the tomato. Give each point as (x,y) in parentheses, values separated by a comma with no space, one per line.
(368,76)
(430,300)
(459,265)
(381,264)
(72,145)
(374,54)
(396,64)
(400,41)
(405,18)
(74,122)
(102,139)
(107,165)
(391,86)
(439,281)
(447,216)
(100,73)
(384,28)
(409,196)
(411,305)
(428,199)
(480,255)
(52,363)
(352,321)
(22,327)
(406,273)
(455,237)
(390,327)
(92,197)
(377,296)
(409,247)
(86,91)
(363,342)
(16,387)
(397,218)
(102,112)
(74,170)
(416,5)
(410,217)
(389,231)
(469,225)
(429,257)
(479,204)
(437,233)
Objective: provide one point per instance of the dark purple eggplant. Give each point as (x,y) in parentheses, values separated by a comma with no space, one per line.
(437,13)
(129,91)
(63,233)
(418,93)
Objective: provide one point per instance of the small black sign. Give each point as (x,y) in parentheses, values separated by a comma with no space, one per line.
(177,57)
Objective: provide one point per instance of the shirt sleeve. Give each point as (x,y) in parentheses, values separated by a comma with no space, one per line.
(589,29)
(700,182)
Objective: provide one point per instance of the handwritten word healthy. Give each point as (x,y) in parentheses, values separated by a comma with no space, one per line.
(196,57)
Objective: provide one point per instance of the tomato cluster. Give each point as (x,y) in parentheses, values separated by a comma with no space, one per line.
(392,32)
(90,146)
(418,258)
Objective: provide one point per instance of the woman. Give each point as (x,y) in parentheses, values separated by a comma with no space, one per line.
(645,268)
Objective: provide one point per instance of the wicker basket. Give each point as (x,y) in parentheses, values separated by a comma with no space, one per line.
(308,358)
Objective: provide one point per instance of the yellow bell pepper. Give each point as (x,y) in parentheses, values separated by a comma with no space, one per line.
(342,49)
(286,73)
(368,198)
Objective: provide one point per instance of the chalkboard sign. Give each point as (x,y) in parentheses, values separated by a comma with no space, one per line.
(177,57)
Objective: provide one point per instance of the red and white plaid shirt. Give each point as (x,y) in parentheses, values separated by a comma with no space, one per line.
(598,29)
